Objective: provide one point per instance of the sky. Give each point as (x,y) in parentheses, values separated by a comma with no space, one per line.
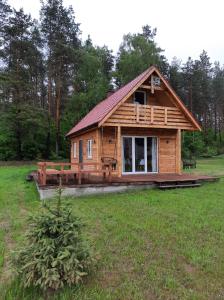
(184,27)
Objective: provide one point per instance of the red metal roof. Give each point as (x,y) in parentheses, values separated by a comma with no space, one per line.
(103,108)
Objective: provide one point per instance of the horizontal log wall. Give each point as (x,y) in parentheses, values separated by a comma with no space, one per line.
(91,135)
(168,161)
(129,114)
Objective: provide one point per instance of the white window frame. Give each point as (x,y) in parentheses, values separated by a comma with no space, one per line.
(145,154)
(74,150)
(89,148)
(144,92)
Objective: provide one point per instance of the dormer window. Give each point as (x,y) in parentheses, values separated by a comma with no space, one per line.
(140,97)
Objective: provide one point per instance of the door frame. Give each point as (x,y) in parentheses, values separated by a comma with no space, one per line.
(145,153)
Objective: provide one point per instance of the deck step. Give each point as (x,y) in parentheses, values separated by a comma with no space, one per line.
(182,185)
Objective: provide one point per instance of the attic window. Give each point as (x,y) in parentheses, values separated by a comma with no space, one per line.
(156,80)
(140,97)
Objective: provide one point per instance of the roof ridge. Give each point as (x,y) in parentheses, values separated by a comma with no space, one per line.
(121,87)
(100,111)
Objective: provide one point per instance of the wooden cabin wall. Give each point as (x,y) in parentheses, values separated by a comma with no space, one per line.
(164,99)
(158,98)
(91,135)
(167,153)
(168,158)
(166,146)
(108,142)
(105,145)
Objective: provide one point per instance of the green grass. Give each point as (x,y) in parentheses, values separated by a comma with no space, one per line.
(209,166)
(150,244)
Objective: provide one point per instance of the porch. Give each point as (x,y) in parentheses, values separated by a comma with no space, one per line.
(137,179)
(76,182)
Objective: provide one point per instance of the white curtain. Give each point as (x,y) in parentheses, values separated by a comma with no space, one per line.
(154,154)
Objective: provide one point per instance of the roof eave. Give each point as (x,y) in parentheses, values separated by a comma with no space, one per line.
(81,131)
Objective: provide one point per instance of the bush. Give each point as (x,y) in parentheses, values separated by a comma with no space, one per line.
(55,254)
(209,152)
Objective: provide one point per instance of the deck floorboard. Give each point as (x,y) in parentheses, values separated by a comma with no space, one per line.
(135,179)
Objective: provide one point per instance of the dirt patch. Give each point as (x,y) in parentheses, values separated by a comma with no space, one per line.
(5,226)
(109,279)
(189,268)
(113,278)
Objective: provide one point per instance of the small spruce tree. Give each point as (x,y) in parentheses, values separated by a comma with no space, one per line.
(55,254)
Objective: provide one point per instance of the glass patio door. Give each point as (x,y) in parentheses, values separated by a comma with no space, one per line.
(140,155)
(127,155)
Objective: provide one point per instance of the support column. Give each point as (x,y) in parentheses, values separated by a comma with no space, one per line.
(119,156)
(99,144)
(178,152)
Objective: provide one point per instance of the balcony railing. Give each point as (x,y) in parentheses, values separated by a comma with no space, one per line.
(147,115)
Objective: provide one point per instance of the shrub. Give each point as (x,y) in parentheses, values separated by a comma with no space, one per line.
(55,254)
(209,152)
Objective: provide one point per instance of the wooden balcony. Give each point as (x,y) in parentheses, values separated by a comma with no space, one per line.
(135,115)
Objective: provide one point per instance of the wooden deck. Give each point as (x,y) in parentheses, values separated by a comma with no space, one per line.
(99,184)
(157,178)
(143,179)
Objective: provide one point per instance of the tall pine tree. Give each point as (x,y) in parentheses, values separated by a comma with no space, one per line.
(60,34)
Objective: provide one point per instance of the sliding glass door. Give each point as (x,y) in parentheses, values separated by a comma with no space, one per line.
(127,154)
(139,154)
(139,150)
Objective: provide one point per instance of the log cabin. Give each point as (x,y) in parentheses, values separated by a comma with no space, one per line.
(137,128)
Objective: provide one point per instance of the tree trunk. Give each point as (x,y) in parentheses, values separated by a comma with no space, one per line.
(58,115)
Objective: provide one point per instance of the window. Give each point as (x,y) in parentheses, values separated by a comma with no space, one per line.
(89,148)
(140,97)
(140,154)
(74,150)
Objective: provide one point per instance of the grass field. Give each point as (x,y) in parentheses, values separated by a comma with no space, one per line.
(149,244)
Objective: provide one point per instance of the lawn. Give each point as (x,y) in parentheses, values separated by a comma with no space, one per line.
(150,244)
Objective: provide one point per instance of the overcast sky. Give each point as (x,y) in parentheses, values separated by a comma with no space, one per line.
(185,27)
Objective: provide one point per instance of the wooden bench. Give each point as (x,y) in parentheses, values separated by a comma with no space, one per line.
(97,168)
(109,162)
(189,164)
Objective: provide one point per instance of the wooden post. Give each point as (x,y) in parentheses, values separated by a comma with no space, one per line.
(152,114)
(178,152)
(152,85)
(44,175)
(110,170)
(98,147)
(137,113)
(79,174)
(119,158)
(165,115)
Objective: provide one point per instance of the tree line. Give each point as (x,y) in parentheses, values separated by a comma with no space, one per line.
(50,77)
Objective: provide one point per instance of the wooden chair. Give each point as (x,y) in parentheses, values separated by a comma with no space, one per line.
(189,163)
(106,160)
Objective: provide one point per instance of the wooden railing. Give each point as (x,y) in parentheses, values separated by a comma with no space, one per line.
(49,169)
(152,116)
